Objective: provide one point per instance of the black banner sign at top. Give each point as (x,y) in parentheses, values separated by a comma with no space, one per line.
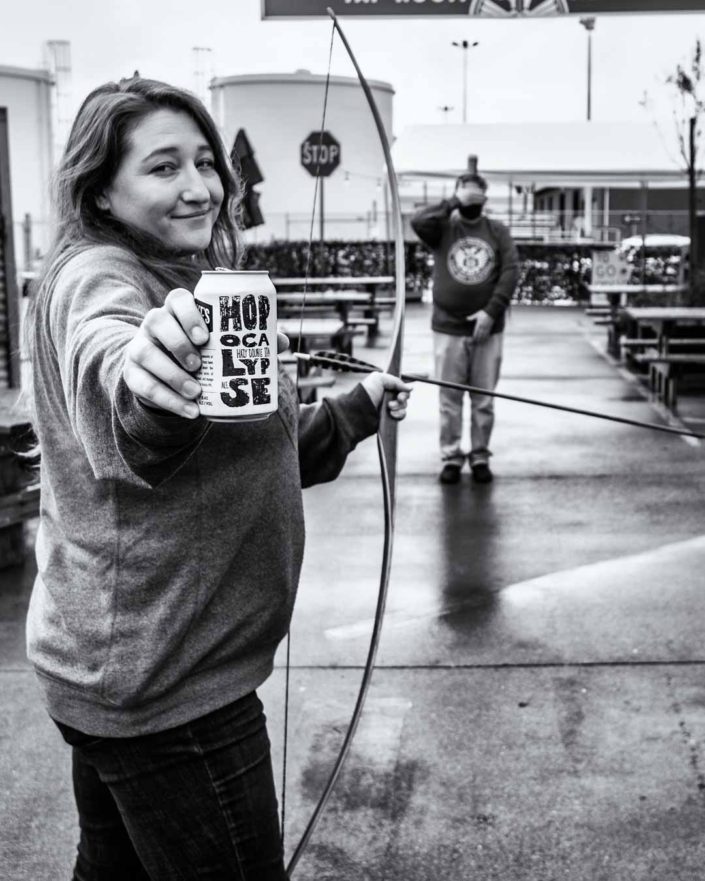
(481,8)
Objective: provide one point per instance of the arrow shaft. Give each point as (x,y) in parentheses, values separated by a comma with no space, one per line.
(413,377)
(416,377)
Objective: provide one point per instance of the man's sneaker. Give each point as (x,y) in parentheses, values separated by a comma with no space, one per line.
(450,473)
(481,473)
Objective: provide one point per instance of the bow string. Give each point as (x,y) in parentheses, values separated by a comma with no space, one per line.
(387,452)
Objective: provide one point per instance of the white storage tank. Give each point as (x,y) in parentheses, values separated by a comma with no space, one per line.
(278,113)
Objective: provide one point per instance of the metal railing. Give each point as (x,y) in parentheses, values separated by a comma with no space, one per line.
(31,236)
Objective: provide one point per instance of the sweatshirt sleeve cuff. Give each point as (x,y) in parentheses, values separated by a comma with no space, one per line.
(356,415)
(151,427)
(494,310)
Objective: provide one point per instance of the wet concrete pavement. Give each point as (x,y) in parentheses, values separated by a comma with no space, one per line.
(538,710)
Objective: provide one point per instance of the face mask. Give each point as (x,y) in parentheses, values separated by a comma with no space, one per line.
(470,212)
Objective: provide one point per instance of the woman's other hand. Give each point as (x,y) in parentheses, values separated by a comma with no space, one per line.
(376,384)
(175,329)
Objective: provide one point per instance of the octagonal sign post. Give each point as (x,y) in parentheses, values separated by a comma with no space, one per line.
(320,156)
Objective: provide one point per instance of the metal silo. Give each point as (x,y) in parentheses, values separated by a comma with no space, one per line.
(278,113)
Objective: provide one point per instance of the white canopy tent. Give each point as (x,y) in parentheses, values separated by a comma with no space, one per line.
(586,156)
(541,153)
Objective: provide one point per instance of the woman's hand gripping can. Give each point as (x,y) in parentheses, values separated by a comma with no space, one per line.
(238,373)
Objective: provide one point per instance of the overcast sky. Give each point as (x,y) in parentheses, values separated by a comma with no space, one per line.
(521,70)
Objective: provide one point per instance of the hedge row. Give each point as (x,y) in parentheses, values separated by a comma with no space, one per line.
(548,272)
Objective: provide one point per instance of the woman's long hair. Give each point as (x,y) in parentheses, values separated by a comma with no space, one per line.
(97,143)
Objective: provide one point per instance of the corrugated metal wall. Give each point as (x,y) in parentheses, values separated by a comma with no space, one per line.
(9,297)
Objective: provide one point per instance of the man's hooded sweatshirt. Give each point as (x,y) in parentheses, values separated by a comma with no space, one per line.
(475,266)
(169,549)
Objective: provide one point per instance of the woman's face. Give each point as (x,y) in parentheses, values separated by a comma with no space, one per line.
(167,184)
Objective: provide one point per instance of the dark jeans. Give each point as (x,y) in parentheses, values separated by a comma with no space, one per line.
(193,802)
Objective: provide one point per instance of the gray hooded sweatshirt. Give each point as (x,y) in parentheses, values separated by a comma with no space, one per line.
(169,550)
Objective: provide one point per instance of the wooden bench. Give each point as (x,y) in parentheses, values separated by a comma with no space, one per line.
(663,347)
(666,369)
(19,486)
(308,379)
(310,310)
(628,347)
(345,304)
(637,343)
(355,321)
(605,316)
(326,333)
(320,310)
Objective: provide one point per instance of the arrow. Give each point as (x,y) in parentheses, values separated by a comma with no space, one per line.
(340,362)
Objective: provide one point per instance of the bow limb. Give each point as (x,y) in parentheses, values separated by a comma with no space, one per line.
(387,450)
(387,431)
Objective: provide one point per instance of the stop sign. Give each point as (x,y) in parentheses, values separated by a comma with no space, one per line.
(320,154)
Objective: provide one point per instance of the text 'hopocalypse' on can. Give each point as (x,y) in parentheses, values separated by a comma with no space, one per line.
(238,373)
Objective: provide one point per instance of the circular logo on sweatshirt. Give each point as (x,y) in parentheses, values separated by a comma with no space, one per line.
(470,261)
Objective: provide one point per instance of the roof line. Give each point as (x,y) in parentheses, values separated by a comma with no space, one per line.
(26,73)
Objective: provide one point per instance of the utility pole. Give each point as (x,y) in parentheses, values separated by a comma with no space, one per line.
(589,25)
(465,45)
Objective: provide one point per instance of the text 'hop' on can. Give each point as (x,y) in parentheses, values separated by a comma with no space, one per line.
(238,373)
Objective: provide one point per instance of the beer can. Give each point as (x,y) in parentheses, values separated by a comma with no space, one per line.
(238,373)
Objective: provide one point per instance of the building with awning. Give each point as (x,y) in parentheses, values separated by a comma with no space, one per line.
(582,180)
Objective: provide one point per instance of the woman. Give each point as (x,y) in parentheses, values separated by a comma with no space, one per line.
(169,547)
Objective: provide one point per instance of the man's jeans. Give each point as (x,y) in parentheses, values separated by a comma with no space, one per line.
(197,801)
(459,359)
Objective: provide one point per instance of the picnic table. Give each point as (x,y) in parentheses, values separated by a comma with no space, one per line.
(369,282)
(363,292)
(607,301)
(669,341)
(345,299)
(664,321)
(345,304)
(308,335)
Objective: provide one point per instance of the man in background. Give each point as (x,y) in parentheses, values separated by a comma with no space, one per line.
(475,272)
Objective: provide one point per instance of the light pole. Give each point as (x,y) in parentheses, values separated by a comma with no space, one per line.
(589,25)
(465,45)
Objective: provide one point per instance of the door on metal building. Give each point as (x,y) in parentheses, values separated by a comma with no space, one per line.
(9,296)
